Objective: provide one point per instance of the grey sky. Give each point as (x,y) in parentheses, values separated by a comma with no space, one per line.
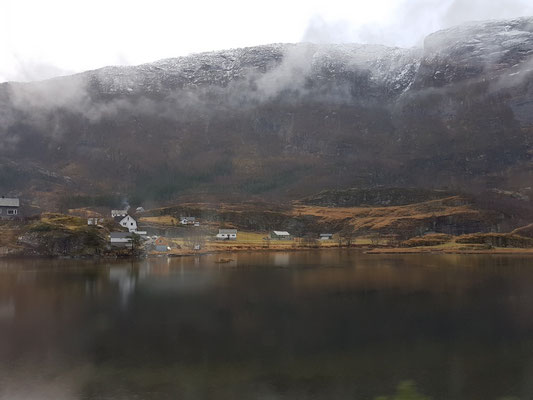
(41,39)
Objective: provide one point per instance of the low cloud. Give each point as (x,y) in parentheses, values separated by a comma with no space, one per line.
(412,20)
(291,74)
(16,68)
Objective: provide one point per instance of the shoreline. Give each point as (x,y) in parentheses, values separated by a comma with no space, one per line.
(365,249)
(429,251)
(362,249)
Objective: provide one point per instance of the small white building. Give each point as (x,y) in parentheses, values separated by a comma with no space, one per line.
(280,235)
(227,234)
(326,236)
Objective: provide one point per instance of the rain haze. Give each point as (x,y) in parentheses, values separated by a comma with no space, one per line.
(39,40)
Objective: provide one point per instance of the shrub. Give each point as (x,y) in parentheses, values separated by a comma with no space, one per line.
(497,240)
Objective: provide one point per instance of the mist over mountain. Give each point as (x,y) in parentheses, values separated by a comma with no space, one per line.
(282,121)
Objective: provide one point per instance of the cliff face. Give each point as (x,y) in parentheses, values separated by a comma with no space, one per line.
(283,120)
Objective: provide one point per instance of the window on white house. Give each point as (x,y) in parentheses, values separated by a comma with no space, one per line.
(11,212)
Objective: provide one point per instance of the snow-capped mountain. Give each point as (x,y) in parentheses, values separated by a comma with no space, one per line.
(283,119)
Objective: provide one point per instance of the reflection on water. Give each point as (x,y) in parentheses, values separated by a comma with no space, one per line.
(303,325)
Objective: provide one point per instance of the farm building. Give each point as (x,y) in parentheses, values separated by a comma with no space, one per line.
(9,207)
(326,236)
(227,234)
(280,235)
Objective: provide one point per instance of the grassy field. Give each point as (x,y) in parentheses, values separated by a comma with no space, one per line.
(164,220)
(65,221)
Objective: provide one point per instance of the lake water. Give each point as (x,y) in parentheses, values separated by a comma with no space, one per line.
(304,325)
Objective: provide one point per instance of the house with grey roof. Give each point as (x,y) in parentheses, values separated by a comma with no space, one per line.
(9,207)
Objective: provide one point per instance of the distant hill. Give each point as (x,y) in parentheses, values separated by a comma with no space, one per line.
(281,121)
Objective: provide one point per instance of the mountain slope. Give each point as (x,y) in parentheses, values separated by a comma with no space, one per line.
(282,120)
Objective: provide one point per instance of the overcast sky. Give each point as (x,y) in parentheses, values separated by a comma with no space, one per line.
(41,39)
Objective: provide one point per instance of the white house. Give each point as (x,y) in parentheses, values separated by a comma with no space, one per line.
(227,234)
(326,236)
(127,222)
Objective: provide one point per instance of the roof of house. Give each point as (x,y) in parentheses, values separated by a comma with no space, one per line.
(326,234)
(282,233)
(227,231)
(120,235)
(119,218)
(9,202)
(189,218)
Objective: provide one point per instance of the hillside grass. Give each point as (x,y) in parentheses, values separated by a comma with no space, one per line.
(55,220)
(163,220)
(394,217)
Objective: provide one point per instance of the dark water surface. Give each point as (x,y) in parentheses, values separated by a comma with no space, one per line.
(310,325)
